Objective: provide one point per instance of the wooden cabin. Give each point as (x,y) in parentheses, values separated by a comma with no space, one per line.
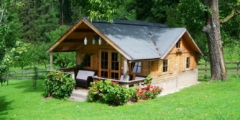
(170,55)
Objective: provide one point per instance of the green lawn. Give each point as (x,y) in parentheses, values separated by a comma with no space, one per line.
(207,100)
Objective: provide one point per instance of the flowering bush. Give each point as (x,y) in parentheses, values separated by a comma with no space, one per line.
(148,80)
(149,92)
(58,84)
(108,92)
(112,93)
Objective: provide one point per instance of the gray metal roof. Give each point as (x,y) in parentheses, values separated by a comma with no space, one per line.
(141,40)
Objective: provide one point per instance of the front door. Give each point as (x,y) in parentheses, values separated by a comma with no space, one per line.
(110,64)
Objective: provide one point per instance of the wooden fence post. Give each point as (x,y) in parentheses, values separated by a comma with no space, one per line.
(205,68)
(238,68)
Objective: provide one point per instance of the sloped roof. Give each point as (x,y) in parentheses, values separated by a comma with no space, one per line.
(137,40)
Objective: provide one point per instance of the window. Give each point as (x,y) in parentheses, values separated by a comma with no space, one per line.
(188,62)
(104,60)
(115,61)
(178,44)
(104,74)
(136,67)
(87,60)
(165,65)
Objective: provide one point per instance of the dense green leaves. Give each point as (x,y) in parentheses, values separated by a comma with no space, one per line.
(59,85)
(9,32)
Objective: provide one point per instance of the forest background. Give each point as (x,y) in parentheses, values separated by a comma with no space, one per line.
(29,27)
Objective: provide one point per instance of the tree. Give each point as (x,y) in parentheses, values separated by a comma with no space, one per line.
(215,13)
(41,18)
(212,29)
(21,55)
(9,32)
(29,23)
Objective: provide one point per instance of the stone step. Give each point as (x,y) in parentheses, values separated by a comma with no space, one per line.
(77,99)
(79,95)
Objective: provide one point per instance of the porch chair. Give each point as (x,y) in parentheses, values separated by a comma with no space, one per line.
(84,77)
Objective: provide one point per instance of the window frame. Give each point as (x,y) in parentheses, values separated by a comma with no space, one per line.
(165,66)
(188,62)
(136,67)
(88,62)
(178,44)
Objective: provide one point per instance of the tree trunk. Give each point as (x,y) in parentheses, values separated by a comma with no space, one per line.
(212,29)
(61,12)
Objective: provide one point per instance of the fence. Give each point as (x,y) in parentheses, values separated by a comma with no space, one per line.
(232,68)
(28,74)
(203,70)
(24,74)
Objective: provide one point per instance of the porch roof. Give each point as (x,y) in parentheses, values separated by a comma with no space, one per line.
(134,39)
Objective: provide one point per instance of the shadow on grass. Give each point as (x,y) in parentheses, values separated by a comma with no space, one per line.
(205,78)
(28,86)
(4,107)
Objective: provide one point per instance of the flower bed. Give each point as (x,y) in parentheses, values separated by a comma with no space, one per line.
(149,92)
(112,93)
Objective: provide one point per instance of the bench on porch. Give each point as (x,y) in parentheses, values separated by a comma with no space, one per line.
(84,78)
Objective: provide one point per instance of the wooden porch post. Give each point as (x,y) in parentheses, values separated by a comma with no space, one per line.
(126,76)
(125,70)
(51,61)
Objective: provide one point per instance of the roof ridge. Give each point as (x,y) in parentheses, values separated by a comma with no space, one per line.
(131,22)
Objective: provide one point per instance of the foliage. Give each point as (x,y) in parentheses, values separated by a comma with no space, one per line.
(108,92)
(79,9)
(35,77)
(126,10)
(9,32)
(63,60)
(21,55)
(54,35)
(112,93)
(149,92)
(103,9)
(85,58)
(58,84)
(148,80)
(41,18)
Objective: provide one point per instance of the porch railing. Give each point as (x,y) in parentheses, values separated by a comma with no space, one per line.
(139,82)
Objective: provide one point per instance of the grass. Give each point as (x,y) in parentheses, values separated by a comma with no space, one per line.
(207,100)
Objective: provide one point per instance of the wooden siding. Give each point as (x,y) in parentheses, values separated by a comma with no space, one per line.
(176,62)
(177,76)
(95,50)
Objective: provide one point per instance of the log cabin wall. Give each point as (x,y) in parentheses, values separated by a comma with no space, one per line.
(94,50)
(177,75)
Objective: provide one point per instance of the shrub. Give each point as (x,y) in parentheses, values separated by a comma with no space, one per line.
(58,84)
(108,92)
(148,80)
(149,92)
(112,93)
